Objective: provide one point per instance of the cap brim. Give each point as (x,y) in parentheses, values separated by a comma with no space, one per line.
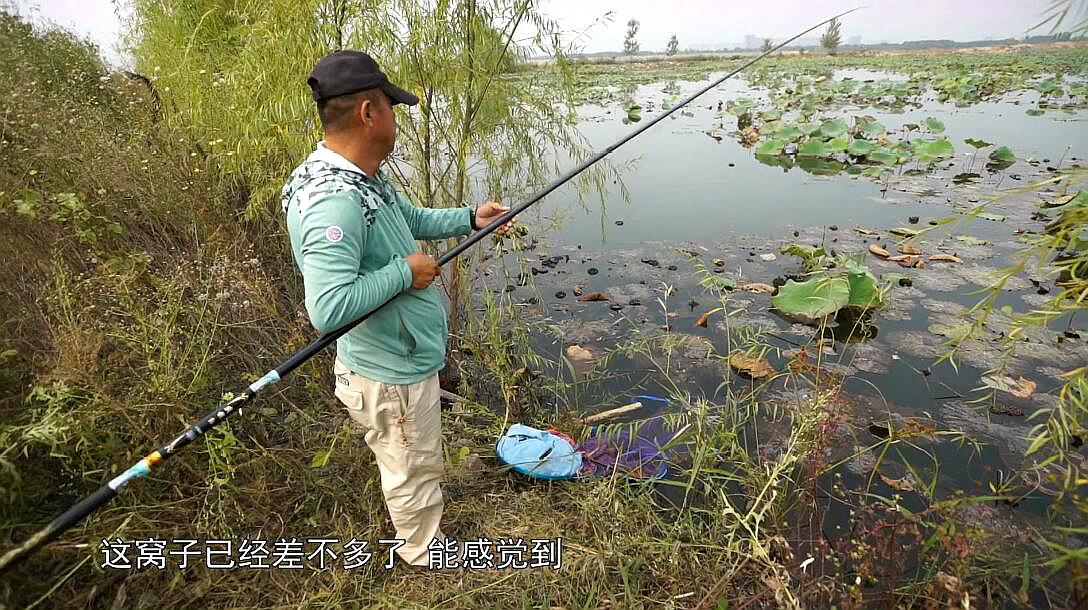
(398,95)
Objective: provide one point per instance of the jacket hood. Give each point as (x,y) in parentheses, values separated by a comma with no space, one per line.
(324,171)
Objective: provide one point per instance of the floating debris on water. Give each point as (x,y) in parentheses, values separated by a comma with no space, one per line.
(939,281)
(870,357)
(989,276)
(945,307)
(917,343)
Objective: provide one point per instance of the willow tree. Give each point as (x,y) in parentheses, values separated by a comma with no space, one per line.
(480,132)
(832,37)
(630,40)
(233,72)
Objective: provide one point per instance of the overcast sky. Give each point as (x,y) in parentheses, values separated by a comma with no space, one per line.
(695,22)
(712,22)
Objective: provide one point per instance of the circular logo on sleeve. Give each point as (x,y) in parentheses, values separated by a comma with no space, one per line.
(334,233)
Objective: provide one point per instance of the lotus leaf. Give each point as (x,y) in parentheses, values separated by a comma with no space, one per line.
(860,148)
(833,128)
(812,148)
(933,125)
(836,145)
(772,147)
(934,151)
(817,297)
(1003,155)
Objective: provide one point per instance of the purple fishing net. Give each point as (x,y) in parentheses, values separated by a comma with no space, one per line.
(637,451)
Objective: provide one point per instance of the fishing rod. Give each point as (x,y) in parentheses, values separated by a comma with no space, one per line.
(106,492)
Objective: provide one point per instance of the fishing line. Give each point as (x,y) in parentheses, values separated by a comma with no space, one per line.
(142,468)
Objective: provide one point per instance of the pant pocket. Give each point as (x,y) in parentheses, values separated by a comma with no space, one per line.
(425,415)
(393,422)
(350,395)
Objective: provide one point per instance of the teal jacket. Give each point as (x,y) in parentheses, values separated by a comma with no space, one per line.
(349,234)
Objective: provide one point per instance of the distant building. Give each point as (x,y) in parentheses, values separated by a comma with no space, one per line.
(805,42)
(752,42)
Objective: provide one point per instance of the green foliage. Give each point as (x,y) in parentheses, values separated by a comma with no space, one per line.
(673,47)
(832,36)
(123,335)
(242,88)
(817,297)
(1061,13)
(812,257)
(813,148)
(1001,158)
(861,148)
(833,128)
(772,146)
(1003,155)
(767,45)
(935,150)
(865,291)
(1061,427)
(833,284)
(630,40)
(130,299)
(873,130)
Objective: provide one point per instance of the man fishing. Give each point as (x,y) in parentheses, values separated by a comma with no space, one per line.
(353,235)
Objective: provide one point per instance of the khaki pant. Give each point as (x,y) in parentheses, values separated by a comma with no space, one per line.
(402,426)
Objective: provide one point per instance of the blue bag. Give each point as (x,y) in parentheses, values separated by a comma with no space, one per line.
(538,453)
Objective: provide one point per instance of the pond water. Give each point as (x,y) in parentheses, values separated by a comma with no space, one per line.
(693,186)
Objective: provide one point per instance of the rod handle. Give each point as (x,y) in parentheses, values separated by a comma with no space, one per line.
(66,520)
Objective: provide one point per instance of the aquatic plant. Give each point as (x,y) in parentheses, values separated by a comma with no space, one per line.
(832,284)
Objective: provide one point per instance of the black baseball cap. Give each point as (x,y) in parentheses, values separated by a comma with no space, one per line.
(347,71)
